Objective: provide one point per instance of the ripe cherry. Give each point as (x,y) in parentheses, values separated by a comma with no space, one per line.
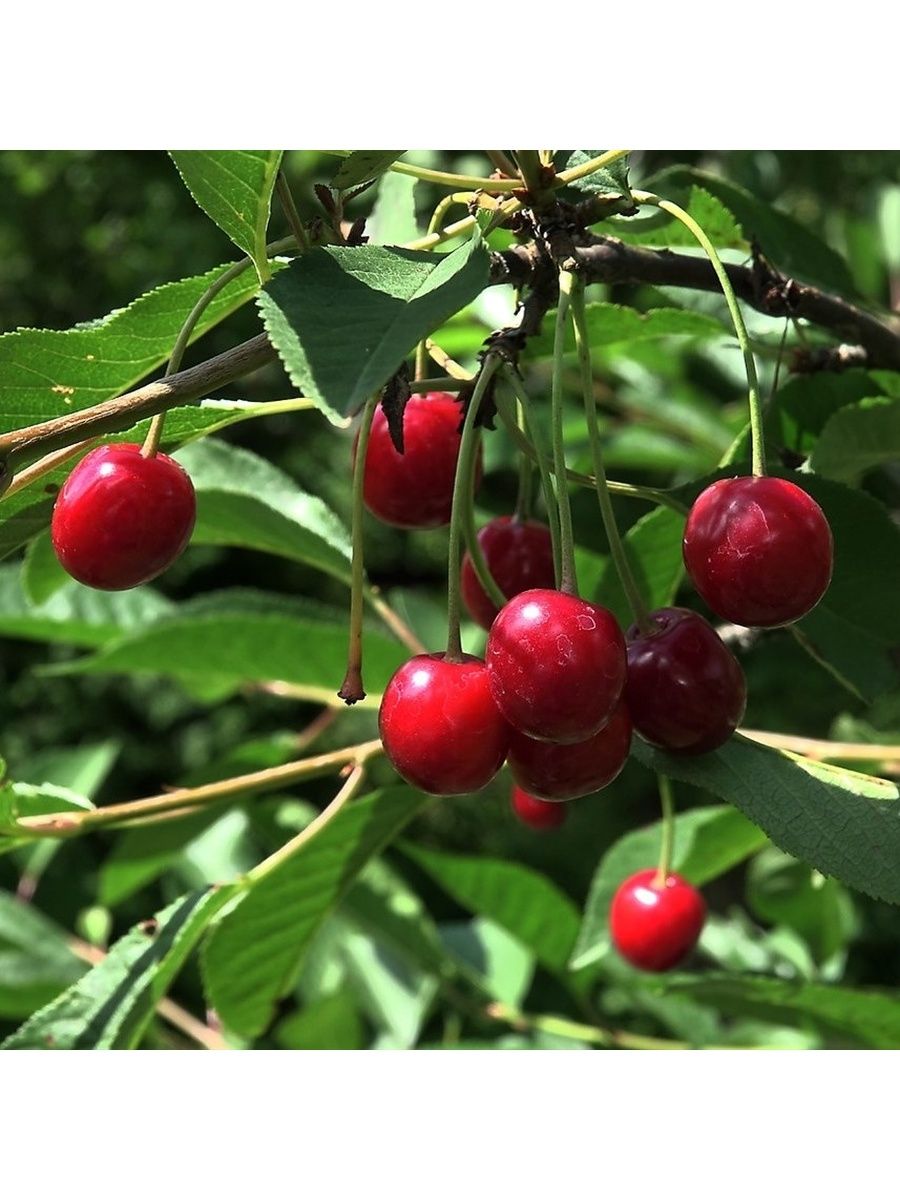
(556,664)
(414,490)
(654,926)
(519,555)
(759,550)
(440,726)
(685,691)
(121,519)
(551,771)
(539,814)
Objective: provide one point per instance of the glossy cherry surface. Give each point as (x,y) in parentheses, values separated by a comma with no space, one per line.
(414,490)
(654,927)
(539,814)
(759,550)
(440,726)
(551,771)
(556,664)
(519,555)
(685,691)
(120,519)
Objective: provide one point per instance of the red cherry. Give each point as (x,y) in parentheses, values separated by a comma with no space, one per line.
(551,771)
(654,927)
(440,726)
(121,519)
(557,665)
(759,550)
(539,814)
(686,692)
(519,555)
(415,489)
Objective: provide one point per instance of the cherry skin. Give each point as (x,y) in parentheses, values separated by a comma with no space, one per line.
(414,490)
(759,550)
(654,927)
(440,726)
(539,814)
(685,691)
(556,664)
(519,555)
(121,519)
(550,771)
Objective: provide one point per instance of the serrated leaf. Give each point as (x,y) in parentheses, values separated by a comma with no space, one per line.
(708,842)
(653,547)
(714,218)
(254,953)
(36,963)
(110,1007)
(343,318)
(234,188)
(610,323)
(607,181)
(841,822)
(393,219)
(858,438)
(362,165)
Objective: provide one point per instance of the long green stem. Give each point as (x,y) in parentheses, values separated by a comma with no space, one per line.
(524,490)
(434,225)
(462,487)
(352,689)
(290,210)
(616,547)
(568,579)
(757,435)
(668,830)
(476,557)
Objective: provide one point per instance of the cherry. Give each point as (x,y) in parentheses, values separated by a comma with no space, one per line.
(440,726)
(685,690)
(121,519)
(539,814)
(519,555)
(551,771)
(415,489)
(556,665)
(759,550)
(654,926)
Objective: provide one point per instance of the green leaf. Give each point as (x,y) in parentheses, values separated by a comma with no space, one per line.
(503,966)
(332,1023)
(611,180)
(140,855)
(42,574)
(17,528)
(610,323)
(708,842)
(786,892)
(653,547)
(714,218)
(393,219)
(242,500)
(36,963)
(394,994)
(344,318)
(841,822)
(867,1017)
(110,1007)
(253,955)
(521,901)
(82,769)
(858,438)
(18,800)
(363,165)
(234,188)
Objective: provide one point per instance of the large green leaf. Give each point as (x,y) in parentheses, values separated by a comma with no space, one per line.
(503,967)
(858,438)
(331,1023)
(362,165)
(841,822)
(36,963)
(610,323)
(708,842)
(788,893)
(234,188)
(110,1007)
(867,1017)
(393,219)
(394,994)
(653,547)
(344,318)
(253,954)
(660,229)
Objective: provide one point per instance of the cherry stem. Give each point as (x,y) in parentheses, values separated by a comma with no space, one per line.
(568,581)
(479,563)
(522,511)
(290,210)
(616,545)
(462,490)
(502,162)
(757,435)
(668,831)
(352,689)
(433,226)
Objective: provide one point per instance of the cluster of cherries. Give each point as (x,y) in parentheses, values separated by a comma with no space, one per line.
(561,686)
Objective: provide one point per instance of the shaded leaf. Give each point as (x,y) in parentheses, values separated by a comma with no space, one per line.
(331,1023)
(42,572)
(653,547)
(858,438)
(362,165)
(714,218)
(36,963)
(503,966)
(393,219)
(610,323)
(611,180)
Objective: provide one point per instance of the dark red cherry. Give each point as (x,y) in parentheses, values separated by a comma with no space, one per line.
(539,814)
(685,690)
(415,489)
(519,555)
(556,664)
(440,726)
(759,550)
(121,519)
(654,926)
(551,771)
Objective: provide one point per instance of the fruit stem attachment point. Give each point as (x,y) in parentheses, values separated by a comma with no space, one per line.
(668,831)
(352,689)
(568,581)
